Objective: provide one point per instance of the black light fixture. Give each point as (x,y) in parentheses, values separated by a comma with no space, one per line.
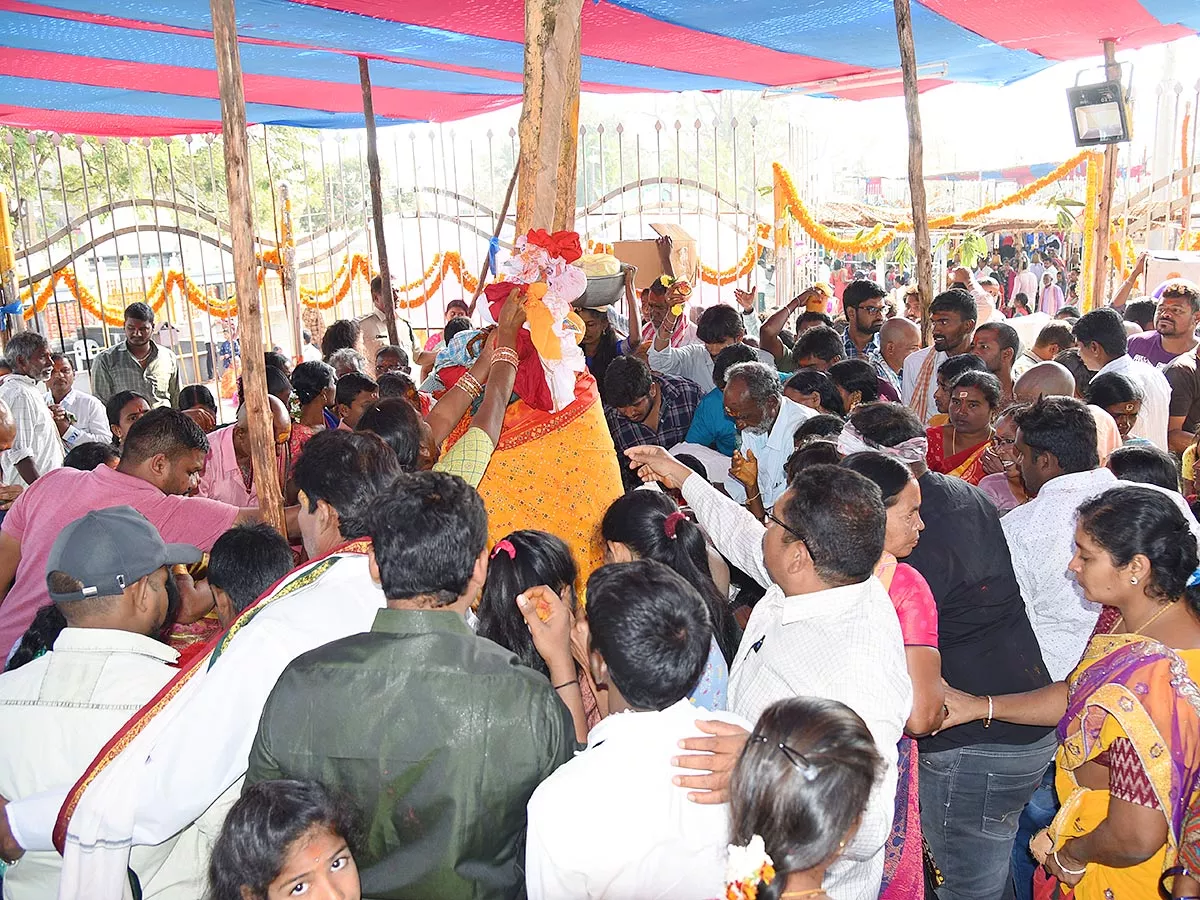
(1098,113)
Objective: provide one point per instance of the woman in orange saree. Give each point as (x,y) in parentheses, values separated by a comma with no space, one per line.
(957,448)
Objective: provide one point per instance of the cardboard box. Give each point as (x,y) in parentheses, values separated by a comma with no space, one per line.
(1166,264)
(644,255)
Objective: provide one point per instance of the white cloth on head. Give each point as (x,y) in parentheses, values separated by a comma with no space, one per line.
(716,464)
(1041,541)
(909,452)
(197,747)
(37,435)
(1151,422)
(842,644)
(645,838)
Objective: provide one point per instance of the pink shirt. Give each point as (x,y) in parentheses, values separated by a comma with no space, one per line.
(222,479)
(64,495)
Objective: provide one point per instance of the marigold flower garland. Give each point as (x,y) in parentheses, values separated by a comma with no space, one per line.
(878,238)
(1091,204)
(744,266)
(353,267)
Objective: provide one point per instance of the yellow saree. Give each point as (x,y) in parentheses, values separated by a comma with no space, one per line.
(1129,687)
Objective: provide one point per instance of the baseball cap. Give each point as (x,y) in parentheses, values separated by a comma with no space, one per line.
(110,549)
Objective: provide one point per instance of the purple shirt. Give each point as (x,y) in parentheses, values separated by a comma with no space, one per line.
(1148,347)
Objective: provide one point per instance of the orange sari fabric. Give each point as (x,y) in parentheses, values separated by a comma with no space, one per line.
(554,472)
(965,464)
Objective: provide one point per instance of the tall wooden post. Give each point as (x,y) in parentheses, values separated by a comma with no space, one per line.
(241,230)
(549,126)
(916,162)
(385,275)
(1108,184)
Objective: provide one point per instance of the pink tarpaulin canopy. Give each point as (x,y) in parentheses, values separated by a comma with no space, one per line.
(142,67)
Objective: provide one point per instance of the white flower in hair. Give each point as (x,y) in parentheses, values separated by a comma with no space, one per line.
(746,867)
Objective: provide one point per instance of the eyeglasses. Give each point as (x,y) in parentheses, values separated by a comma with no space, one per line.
(808,771)
(1003,443)
(870,310)
(770,514)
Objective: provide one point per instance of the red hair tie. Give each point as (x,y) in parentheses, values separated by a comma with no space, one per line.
(506,546)
(671,523)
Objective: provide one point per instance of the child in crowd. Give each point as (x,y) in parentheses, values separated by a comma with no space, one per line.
(285,839)
(797,794)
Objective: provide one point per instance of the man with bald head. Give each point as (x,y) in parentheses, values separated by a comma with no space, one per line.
(1046,379)
(898,338)
(228,476)
(1051,379)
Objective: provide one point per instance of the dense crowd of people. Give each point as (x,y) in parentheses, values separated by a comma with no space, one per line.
(859,615)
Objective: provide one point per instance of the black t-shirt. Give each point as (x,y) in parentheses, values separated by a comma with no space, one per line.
(984,636)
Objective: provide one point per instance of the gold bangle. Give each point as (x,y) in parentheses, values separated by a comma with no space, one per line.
(988,722)
(506,361)
(506,354)
(470,385)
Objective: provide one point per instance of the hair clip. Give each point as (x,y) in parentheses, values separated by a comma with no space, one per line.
(505,545)
(1194,579)
(671,523)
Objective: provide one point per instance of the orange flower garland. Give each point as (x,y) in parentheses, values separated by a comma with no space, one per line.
(878,238)
(872,241)
(744,266)
(1091,204)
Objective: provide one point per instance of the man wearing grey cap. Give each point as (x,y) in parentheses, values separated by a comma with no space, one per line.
(107,573)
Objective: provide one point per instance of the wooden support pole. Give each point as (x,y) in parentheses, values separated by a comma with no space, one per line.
(1108,184)
(916,162)
(241,231)
(388,310)
(549,126)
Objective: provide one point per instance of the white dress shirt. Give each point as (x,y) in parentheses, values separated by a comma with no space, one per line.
(37,435)
(1151,422)
(195,750)
(311,353)
(843,644)
(56,713)
(692,361)
(908,378)
(91,419)
(644,837)
(773,449)
(1027,283)
(1041,541)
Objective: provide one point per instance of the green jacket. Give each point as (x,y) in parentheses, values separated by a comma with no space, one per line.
(438,736)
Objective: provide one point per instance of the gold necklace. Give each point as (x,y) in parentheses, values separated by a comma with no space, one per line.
(811,892)
(1148,622)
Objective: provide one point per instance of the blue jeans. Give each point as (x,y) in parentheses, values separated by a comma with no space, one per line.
(1040,812)
(971,802)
